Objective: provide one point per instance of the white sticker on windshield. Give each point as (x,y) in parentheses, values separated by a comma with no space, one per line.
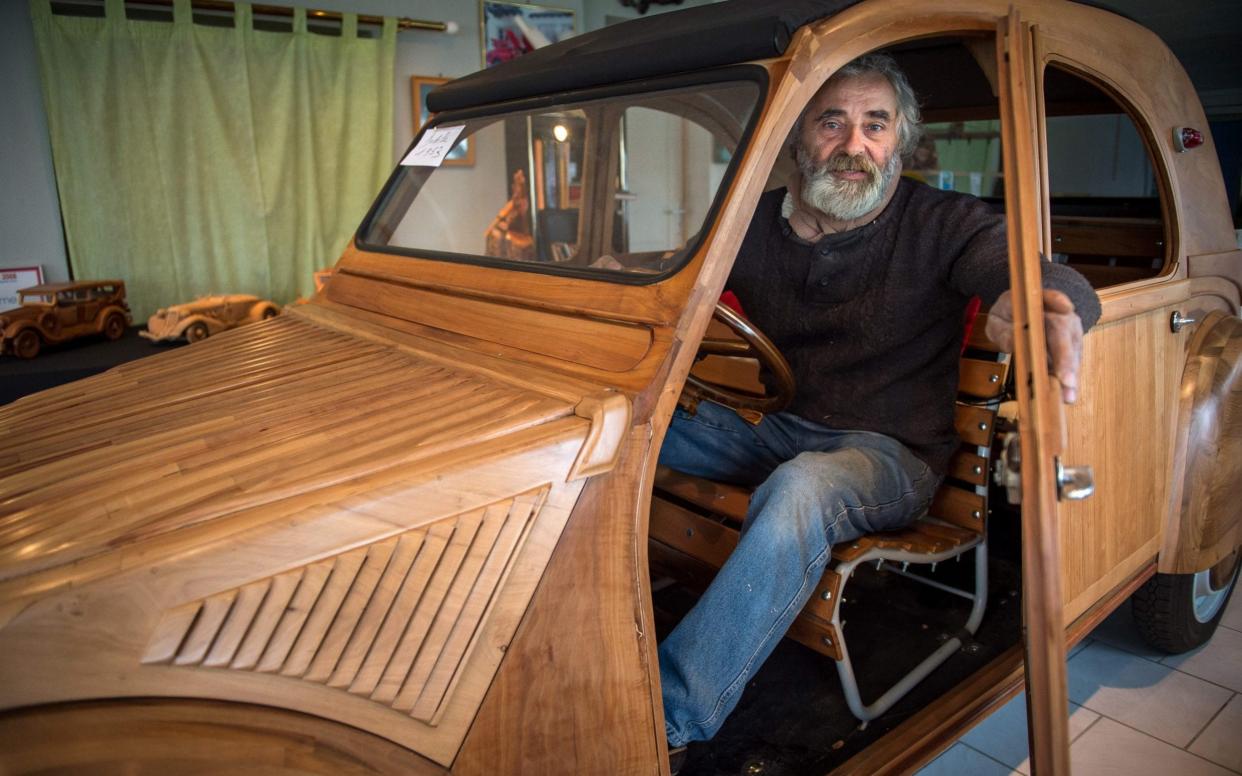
(433,146)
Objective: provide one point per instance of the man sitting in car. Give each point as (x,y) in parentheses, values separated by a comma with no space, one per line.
(860,277)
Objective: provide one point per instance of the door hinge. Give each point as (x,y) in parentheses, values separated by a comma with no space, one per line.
(1074,483)
(1008,471)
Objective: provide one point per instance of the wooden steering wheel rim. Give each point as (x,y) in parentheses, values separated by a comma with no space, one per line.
(757,346)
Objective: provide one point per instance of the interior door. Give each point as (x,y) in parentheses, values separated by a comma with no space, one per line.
(1039,406)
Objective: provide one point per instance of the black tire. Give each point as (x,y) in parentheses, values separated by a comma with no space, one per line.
(114,327)
(197,332)
(27,343)
(1177,612)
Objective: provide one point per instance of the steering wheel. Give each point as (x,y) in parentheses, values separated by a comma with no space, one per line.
(755,344)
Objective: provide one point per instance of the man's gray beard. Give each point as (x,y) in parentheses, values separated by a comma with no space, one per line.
(843,200)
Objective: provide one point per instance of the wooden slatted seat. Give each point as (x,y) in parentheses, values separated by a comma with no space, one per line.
(701,519)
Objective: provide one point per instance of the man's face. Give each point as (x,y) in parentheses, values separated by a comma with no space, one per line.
(847,149)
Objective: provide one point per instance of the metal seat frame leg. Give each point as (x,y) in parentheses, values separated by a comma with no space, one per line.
(845,668)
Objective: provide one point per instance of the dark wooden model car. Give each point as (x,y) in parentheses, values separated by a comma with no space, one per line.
(416,525)
(58,312)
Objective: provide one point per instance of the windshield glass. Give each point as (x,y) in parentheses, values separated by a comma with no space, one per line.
(619,186)
(35,298)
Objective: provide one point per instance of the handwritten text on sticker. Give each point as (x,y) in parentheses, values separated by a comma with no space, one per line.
(433,146)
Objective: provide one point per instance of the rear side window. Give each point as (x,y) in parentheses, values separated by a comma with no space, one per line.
(1107,216)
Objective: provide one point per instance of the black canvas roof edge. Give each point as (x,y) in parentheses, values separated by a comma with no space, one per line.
(695,38)
(689,39)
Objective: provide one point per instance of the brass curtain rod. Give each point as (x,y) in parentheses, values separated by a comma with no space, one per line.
(260,9)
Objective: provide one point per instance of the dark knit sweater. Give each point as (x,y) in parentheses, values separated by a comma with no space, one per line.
(871,319)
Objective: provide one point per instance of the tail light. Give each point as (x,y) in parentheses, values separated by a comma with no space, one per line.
(1186,138)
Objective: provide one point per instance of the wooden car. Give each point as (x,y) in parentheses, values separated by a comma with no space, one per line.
(411,526)
(207,315)
(58,312)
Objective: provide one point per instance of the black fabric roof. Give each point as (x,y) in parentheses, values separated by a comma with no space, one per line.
(690,39)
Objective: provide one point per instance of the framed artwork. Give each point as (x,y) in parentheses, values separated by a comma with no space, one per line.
(462,154)
(509,30)
(14,279)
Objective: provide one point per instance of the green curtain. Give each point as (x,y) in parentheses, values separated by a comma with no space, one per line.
(976,155)
(194,159)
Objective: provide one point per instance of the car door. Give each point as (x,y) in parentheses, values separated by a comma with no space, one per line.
(1143,217)
(67,313)
(1038,395)
(89,303)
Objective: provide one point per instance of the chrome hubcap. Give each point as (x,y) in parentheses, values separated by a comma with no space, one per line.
(1212,586)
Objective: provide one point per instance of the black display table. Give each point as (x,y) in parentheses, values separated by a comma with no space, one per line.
(57,364)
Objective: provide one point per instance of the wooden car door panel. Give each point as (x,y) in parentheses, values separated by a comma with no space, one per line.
(1123,426)
(1038,402)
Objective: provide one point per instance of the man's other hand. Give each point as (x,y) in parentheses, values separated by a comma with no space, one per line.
(1062,330)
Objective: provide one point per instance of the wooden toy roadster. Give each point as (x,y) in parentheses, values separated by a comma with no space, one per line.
(412,526)
(196,321)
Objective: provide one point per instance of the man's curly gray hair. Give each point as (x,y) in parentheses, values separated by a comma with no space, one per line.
(909,117)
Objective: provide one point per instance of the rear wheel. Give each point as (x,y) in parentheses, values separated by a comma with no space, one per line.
(114,326)
(1178,612)
(197,332)
(27,344)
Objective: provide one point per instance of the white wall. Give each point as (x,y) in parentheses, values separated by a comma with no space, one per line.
(30,231)
(30,227)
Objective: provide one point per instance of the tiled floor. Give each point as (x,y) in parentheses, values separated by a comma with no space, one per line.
(1133,711)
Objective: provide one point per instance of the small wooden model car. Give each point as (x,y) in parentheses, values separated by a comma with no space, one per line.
(58,312)
(206,316)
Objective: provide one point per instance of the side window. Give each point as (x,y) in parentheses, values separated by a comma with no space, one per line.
(1107,220)
(961,156)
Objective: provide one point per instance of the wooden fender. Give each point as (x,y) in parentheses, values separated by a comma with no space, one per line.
(101,320)
(213,327)
(49,324)
(1205,522)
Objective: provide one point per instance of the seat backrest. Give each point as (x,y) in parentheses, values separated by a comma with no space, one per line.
(982,375)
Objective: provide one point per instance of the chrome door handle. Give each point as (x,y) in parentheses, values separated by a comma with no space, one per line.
(1074,483)
(1176,321)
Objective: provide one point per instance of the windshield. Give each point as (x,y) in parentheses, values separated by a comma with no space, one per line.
(619,186)
(34,298)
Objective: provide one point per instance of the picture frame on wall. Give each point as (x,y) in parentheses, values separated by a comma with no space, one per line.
(462,154)
(509,30)
(14,279)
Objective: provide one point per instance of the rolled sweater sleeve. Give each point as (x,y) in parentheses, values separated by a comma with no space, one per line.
(982,268)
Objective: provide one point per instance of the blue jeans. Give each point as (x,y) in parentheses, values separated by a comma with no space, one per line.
(816,487)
